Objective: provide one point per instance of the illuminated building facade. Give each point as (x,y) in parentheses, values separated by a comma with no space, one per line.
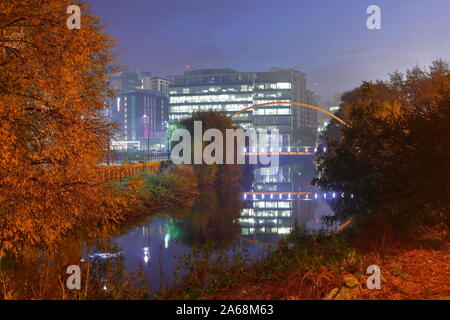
(228,91)
(142,117)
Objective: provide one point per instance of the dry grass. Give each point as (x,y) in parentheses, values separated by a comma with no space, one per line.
(414,274)
(418,274)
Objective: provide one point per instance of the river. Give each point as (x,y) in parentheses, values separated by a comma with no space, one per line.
(255,219)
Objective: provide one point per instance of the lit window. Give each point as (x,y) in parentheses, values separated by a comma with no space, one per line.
(283,85)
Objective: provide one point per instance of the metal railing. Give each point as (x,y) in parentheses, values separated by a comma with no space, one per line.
(133,157)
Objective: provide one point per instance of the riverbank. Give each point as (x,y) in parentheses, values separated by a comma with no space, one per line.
(417,274)
(316,267)
(31,276)
(146,193)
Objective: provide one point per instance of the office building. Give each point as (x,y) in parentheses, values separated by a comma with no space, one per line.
(140,109)
(228,91)
(132,80)
(142,117)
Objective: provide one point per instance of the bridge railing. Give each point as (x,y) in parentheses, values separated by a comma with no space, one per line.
(308,150)
(113,173)
(134,157)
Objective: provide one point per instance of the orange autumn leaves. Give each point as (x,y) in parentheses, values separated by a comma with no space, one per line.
(53,84)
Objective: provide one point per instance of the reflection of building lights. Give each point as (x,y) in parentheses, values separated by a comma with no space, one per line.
(146,254)
(166,241)
(284,230)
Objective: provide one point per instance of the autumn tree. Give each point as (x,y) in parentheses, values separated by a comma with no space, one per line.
(394,158)
(53,84)
(215,174)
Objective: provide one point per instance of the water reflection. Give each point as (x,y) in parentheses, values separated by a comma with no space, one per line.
(213,217)
(265,211)
(277,201)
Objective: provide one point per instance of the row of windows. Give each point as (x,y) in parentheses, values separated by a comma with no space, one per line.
(230,88)
(273,95)
(253,221)
(209,89)
(211,98)
(230,107)
(272,204)
(282,230)
(214,107)
(250,212)
(270,111)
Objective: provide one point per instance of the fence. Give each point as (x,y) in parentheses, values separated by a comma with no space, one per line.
(130,157)
(116,173)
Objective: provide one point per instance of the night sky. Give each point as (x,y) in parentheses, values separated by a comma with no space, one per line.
(328,40)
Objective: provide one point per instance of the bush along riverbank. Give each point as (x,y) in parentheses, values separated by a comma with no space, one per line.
(319,266)
(175,186)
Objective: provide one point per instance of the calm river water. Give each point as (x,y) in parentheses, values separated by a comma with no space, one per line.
(261,215)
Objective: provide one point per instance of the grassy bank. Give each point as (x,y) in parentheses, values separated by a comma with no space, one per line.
(318,266)
(145,193)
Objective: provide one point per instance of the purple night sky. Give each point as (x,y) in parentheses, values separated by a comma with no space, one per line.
(328,40)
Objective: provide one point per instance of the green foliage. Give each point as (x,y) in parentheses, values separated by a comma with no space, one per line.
(208,269)
(307,250)
(175,185)
(395,157)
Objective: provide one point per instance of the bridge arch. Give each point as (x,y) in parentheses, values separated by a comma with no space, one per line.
(294,103)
